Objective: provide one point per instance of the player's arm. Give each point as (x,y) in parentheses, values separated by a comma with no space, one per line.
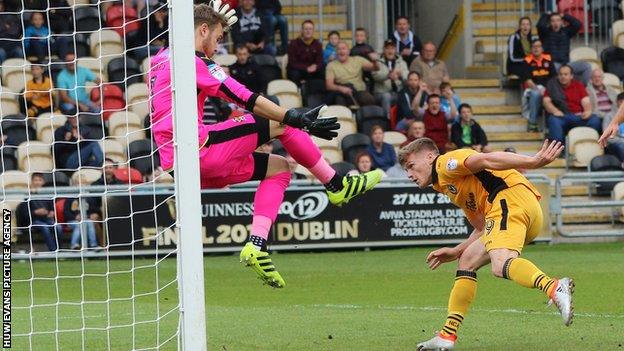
(507,160)
(449,254)
(613,128)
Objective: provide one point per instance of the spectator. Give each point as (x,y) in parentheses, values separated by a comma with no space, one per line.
(329,54)
(71,83)
(108,177)
(390,76)
(519,46)
(60,17)
(436,123)
(538,70)
(432,70)
(72,147)
(155,34)
(252,29)
(556,37)
(246,71)
(361,47)
(449,101)
(416,130)
(615,145)
(38,93)
(72,213)
(343,78)
(272,10)
(411,100)
(567,105)
(10,34)
(363,162)
(382,154)
(408,43)
(467,133)
(42,214)
(603,98)
(37,39)
(305,56)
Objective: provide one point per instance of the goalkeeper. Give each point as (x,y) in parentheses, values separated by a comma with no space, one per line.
(227,149)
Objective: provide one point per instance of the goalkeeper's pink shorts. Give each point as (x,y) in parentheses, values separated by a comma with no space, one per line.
(229,156)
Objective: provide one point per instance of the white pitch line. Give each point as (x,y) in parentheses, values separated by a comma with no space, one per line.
(435,308)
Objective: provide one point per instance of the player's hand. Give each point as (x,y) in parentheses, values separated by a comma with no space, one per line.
(309,122)
(611,131)
(443,255)
(549,152)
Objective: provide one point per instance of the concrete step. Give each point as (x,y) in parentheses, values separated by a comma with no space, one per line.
(515,136)
(344,35)
(330,22)
(587,214)
(491,31)
(488,44)
(486,71)
(496,110)
(500,6)
(487,58)
(572,190)
(595,228)
(484,98)
(522,147)
(313,10)
(482,20)
(503,125)
(475,83)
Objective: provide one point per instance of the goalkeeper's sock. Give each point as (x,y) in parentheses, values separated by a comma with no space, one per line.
(462,294)
(302,148)
(267,202)
(525,273)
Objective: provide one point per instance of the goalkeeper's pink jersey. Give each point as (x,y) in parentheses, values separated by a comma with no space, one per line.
(211,81)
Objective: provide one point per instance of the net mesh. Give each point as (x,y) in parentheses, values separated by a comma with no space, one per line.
(94,269)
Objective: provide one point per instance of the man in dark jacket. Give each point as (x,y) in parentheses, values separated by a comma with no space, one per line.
(467,133)
(408,43)
(74,147)
(246,71)
(556,37)
(10,34)
(305,56)
(252,29)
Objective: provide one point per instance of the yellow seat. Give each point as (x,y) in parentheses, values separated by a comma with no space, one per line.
(46,124)
(289,100)
(106,45)
(15,73)
(85,176)
(126,127)
(618,195)
(394,138)
(224,60)
(582,146)
(587,54)
(34,156)
(612,80)
(14,180)
(282,86)
(338,111)
(114,150)
(8,102)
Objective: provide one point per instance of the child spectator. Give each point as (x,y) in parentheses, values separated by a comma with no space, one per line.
(329,54)
(363,162)
(467,133)
(382,154)
(448,99)
(361,47)
(305,56)
(37,40)
(38,92)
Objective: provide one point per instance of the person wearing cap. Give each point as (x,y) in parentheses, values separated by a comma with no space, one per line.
(390,76)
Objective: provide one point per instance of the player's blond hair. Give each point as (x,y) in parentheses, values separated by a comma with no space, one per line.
(203,13)
(416,146)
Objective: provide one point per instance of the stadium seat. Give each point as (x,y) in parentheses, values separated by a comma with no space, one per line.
(122,19)
(142,156)
(604,163)
(343,168)
(289,100)
(114,150)
(8,102)
(283,63)
(137,93)
(613,81)
(14,180)
(87,18)
(323,143)
(582,146)
(369,116)
(9,160)
(340,112)
(224,60)
(618,195)
(313,92)
(46,124)
(613,61)
(617,33)
(126,127)
(113,100)
(15,73)
(17,129)
(394,138)
(128,175)
(352,144)
(124,71)
(95,123)
(269,69)
(55,179)
(331,154)
(95,65)
(83,49)
(87,175)
(106,44)
(347,127)
(34,156)
(604,14)
(282,86)
(584,53)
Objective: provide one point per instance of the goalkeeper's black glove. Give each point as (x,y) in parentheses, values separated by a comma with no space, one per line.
(309,122)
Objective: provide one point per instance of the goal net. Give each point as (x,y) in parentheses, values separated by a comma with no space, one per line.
(90,218)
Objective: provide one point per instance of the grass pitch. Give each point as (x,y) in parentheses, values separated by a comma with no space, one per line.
(377,300)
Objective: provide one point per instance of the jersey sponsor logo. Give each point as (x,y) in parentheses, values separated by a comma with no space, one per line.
(217,72)
(471,203)
(489,224)
(238,119)
(451,164)
(452,189)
